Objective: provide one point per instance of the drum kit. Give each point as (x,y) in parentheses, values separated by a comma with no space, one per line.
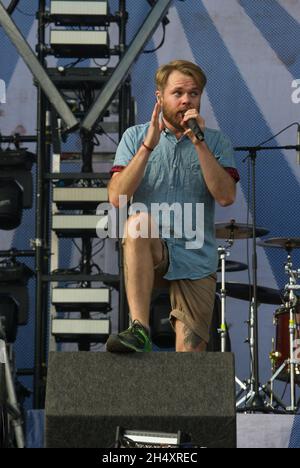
(285,355)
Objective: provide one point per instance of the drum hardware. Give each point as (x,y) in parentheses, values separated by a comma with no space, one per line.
(286,243)
(265,296)
(244,292)
(231,232)
(233,267)
(285,363)
(248,387)
(238,231)
(274,357)
(224,252)
(256,402)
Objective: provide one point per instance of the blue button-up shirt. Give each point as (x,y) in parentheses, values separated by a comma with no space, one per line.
(173,175)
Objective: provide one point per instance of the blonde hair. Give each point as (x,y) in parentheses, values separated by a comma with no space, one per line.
(183,66)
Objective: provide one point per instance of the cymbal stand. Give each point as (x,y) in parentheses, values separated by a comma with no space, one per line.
(291,363)
(254,401)
(224,252)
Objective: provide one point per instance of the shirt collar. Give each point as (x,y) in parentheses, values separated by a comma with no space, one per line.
(169,134)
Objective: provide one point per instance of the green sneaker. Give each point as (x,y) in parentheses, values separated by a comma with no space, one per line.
(134,339)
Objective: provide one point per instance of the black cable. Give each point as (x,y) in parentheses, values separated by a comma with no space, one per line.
(99,270)
(100,250)
(282,131)
(101,131)
(161,43)
(101,65)
(73,64)
(78,248)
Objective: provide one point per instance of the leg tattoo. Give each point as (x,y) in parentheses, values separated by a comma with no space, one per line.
(191,340)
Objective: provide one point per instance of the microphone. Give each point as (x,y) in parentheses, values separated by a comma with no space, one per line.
(298,144)
(193,125)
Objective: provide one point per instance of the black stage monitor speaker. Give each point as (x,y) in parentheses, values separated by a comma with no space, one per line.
(90,394)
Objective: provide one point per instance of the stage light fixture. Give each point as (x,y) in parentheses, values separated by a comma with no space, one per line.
(74,12)
(150,439)
(80,44)
(16,186)
(14,298)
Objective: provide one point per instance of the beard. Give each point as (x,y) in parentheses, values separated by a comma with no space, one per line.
(175,117)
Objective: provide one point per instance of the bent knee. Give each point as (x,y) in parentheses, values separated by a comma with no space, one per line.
(141,226)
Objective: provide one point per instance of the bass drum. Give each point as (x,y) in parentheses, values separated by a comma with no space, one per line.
(282,320)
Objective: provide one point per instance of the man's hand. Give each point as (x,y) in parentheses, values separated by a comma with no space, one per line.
(155,129)
(192,114)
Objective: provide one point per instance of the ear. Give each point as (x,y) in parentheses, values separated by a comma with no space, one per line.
(158,96)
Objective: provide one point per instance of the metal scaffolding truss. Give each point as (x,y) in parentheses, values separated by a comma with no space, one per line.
(52,102)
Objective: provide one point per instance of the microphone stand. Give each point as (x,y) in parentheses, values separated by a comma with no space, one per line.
(256,401)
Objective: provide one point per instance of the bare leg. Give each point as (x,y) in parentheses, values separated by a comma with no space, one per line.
(140,257)
(187,340)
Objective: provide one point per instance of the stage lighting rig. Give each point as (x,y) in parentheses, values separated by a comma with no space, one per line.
(16,186)
(37,70)
(90,39)
(14,300)
(80,43)
(74,12)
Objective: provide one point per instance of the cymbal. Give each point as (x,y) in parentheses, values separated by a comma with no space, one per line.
(285,243)
(244,292)
(238,231)
(232,267)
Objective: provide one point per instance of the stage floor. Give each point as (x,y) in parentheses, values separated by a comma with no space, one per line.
(268,431)
(253,430)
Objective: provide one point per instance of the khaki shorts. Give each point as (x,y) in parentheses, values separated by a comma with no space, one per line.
(192,301)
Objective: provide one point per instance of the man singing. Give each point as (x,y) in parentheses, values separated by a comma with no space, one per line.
(174,159)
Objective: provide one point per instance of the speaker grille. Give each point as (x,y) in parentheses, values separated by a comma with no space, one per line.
(89,395)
